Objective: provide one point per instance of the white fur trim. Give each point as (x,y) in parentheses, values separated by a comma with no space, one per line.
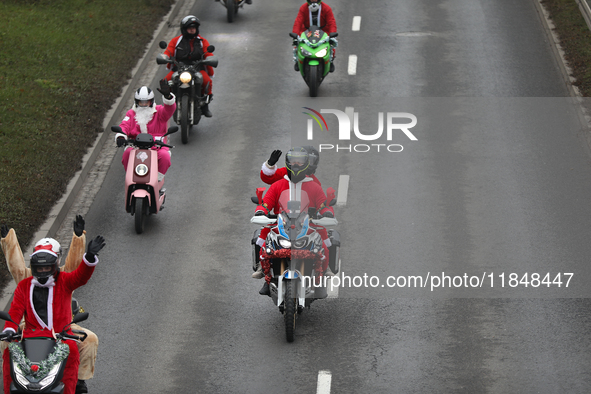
(169,102)
(96,260)
(260,241)
(8,329)
(269,170)
(327,242)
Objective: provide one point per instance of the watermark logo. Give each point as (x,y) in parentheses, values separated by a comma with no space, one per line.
(389,124)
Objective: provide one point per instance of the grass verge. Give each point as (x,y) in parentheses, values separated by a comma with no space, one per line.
(63,64)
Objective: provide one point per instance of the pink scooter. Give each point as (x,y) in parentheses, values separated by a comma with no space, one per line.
(144,194)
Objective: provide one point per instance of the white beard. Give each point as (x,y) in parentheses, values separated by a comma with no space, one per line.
(143,116)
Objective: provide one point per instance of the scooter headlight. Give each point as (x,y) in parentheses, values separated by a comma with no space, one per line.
(20,377)
(321,53)
(50,376)
(141,169)
(186,77)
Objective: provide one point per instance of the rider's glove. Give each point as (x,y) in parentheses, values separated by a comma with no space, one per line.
(4,230)
(120,141)
(8,335)
(275,155)
(94,246)
(165,89)
(79,225)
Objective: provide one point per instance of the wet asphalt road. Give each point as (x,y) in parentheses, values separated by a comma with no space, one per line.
(497,182)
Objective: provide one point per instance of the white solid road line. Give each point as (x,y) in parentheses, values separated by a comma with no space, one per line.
(352,69)
(356,23)
(324,378)
(343,190)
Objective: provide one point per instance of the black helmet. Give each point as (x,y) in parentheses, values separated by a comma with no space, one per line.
(47,253)
(189,20)
(144,94)
(297,162)
(314,159)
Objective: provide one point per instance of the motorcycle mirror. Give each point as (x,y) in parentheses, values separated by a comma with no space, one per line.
(160,59)
(80,317)
(116,129)
(162,44)
(210,48)
(293,35)
(5,316)
(333,35)
(211,61)
(172,129)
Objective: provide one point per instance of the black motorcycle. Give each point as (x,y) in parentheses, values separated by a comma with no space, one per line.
(186,86)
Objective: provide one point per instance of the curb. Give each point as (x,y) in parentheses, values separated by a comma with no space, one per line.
(61,208)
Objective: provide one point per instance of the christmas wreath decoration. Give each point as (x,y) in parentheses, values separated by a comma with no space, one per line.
(39,371)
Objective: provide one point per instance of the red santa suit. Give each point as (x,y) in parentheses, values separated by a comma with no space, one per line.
(190,51)
(59,314)
(270,203)
(132,125)
(327,23)
(270,175)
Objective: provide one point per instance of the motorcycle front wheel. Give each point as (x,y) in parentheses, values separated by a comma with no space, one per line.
(231,8)
(140,214)
(313,80)
(290,311)
(185,119)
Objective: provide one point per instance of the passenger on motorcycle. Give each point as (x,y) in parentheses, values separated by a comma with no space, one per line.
(16,265)
(297,161)
(190,47)
(45,302)
(271,174)
(145,117)
(316,13)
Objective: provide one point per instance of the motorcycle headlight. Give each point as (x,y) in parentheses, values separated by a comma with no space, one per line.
(322,53)
(186,77)
(50,376)
(304,52)
(141,169)
(284,243)
(300,243)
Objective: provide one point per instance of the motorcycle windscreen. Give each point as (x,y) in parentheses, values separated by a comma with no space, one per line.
(314,34)
(294,200)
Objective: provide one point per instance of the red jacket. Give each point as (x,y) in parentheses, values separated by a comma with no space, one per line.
(315,194)
(272,175)
(61,310)
(170,51)
(327,22)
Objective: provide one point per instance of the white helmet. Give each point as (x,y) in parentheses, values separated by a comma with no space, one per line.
(47,253)
(144,94)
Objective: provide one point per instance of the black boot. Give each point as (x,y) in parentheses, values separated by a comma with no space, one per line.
(331,67)
(248,1)
(265,289)
(81,387)
(296,66)
(205,111)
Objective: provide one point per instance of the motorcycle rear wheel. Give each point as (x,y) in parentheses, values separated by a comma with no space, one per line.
(290,311)
(185,119)
(230,6)
(140,214)
(314,80)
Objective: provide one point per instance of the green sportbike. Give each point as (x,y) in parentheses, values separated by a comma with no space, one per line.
(313,56)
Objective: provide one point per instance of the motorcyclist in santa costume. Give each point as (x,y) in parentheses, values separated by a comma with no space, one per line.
(270,174)
(45,302)
(15,261)
(297,162)
(145,117)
